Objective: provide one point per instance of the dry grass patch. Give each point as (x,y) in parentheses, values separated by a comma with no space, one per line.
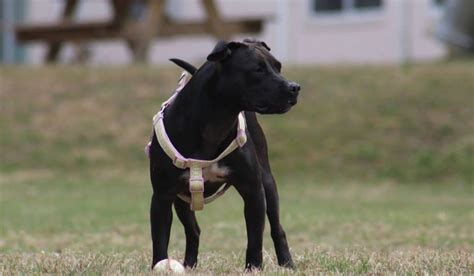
(354,260)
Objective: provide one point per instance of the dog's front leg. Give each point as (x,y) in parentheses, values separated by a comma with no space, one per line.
(192,231)
(254,211)
(161,217)
(273,213)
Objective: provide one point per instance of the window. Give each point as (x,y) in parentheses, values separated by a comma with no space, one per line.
(332,6)
(327,5)
(361,4)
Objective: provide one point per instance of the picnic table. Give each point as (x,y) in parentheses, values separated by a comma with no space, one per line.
(137,33)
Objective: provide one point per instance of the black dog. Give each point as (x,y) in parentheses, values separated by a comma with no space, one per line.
(201,122)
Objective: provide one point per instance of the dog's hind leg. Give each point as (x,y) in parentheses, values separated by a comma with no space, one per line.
(191,230)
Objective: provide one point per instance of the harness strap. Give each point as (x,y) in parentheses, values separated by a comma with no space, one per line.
(196,188)
(222,189)
(182,162)
(196,181)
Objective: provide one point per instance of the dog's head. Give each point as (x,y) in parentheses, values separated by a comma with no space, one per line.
(251,77)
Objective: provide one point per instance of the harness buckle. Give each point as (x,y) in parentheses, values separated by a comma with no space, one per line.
(196,185)
(241,138)
(179,162)
(160,115)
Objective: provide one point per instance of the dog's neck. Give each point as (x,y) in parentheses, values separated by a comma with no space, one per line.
(202,126)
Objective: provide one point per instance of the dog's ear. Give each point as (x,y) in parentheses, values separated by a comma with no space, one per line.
(223,49)
(258,42)
(219,52)
(265,45)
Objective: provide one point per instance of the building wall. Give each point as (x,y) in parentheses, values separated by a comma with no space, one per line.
(293,31)
(364,37)
(11,12)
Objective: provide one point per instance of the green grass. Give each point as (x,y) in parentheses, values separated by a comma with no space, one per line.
(100,224)
(411,124)
(374,168)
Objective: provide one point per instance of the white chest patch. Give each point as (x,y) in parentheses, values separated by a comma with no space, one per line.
(214,173)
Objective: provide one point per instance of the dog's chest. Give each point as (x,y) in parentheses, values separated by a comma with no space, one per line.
(213,173)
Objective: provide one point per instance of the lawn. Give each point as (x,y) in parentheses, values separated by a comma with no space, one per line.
(58,224)
(374,168)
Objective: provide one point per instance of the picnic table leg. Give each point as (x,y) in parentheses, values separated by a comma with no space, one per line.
(214,21)
(55,47)
(140,35)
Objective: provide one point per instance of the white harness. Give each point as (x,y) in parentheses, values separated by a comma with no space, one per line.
(196,181)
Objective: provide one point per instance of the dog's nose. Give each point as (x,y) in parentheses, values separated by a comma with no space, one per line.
(294,87)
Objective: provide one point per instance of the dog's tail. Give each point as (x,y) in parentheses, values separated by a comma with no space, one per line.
(185,65)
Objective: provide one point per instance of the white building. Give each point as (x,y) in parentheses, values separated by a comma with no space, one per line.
(298,31)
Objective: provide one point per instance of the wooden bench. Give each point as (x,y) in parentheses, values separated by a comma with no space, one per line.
(138,34)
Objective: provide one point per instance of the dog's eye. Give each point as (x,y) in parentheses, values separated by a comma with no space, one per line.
(258,69)
(278,66)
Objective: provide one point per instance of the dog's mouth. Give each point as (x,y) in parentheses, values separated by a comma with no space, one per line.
(281,109)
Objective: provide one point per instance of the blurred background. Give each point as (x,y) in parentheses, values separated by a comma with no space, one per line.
(374,165)
(301,32)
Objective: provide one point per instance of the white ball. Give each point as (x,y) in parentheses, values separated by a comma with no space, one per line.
(169,265)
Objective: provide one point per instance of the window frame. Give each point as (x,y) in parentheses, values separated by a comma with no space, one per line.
(348,6)
(349,14)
